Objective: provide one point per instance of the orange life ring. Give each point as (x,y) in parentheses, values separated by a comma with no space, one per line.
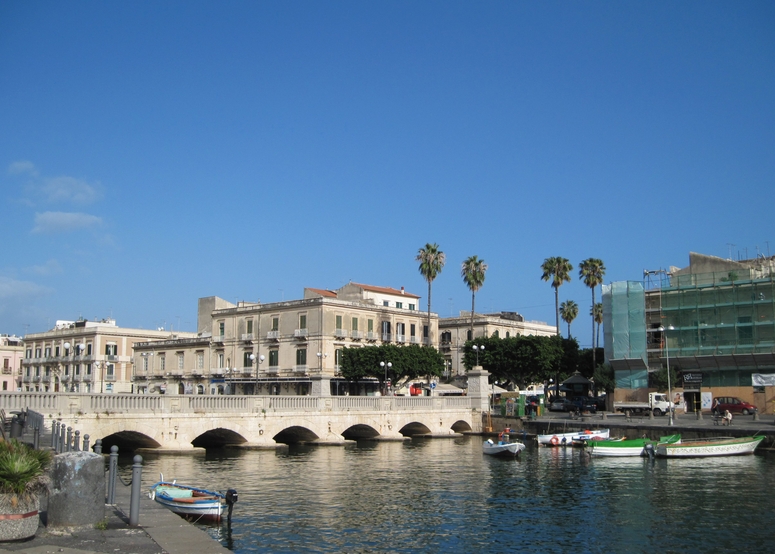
(555,441)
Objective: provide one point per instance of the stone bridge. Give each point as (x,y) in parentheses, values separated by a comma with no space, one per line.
(186,422)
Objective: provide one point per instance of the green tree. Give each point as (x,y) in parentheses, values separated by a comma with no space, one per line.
(569,310)
(597,315)
(557,270)
(592,271)
(432,261)
(407,363)
(473,271)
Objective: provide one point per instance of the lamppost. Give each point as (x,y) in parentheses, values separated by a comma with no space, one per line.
(667,362)
(477,348)
(260,359)
(386,366)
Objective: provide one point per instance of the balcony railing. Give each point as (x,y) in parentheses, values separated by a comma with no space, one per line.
(371,335)
(300,333)
(273,335)
(300,369)
(356,335)
(341,333)
(400,338)
(247,336)
(387,337)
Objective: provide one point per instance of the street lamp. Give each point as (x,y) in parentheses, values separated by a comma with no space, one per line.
(260,359)
(669,390)
(386,366)
(477,349)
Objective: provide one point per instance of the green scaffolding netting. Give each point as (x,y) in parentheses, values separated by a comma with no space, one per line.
(624,320)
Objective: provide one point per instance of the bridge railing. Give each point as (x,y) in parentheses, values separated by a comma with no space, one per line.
(58,404)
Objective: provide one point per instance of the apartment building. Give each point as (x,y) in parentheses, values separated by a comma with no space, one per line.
(456,331)
(84,356)
(11,355)
(290,348)
(713,321)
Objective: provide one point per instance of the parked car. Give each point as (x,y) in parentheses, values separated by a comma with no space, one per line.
(562,404)
(734,405)
(583,404)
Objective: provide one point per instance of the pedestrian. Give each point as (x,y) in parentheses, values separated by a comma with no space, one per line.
(714,408)
(727,418)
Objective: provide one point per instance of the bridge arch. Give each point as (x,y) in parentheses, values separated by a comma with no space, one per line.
(414,428)
(461,426)
(295,435)
(217,438)
(360,431)
(127,441)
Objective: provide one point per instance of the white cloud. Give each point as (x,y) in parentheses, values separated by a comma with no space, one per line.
(63,222)
(51,267)
(22,166)
(70,189)
(13,289)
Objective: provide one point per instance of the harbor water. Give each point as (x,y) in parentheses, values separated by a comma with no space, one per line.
(444,495)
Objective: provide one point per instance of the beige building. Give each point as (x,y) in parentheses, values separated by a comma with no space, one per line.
(83,356)
(11,355)
(288,348)
(456,331)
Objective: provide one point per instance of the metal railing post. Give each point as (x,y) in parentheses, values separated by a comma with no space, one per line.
(69,439)
(35,435)
(98,446)
(54,433)
(134,503)
(77,441)
(113,472)
(86,442)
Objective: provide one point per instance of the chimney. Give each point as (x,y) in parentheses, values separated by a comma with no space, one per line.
(402,290)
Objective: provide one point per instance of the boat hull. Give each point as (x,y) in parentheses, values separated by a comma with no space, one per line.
(502,448)
(626,447)
(566,439)
(189,502)
(708,448)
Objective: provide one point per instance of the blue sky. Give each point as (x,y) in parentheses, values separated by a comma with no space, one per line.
(153,153)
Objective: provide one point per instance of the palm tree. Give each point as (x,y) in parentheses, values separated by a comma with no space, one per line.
(569,310)
(473,271)
(591,271)
(558,270)
(597,315)
(431,262)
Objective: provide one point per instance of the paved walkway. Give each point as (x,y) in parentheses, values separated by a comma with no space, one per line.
(160,532)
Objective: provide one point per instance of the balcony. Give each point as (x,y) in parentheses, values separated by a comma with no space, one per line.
(356,335)
(273,335)
(340,333)
(300,369)
(274,370)
(387,337)
(400,338)
(219,338)
(372,336)
(247,337)
(414,340)
(300,334)
(112,358)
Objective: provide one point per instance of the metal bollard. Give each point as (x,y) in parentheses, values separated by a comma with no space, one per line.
(112,474)
(54,434)
(77,441)
(134,503)
(62,432)
(98,446)
(69,439)
(36,436)
(86,442)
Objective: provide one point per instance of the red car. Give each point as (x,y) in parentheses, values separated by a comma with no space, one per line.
(734,405)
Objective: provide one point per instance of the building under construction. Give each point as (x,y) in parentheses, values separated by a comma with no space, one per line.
(713,322)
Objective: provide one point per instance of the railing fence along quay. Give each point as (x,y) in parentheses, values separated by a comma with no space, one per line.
(57,404)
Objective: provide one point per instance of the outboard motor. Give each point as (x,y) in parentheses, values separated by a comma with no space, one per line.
(231,498)
(649,448)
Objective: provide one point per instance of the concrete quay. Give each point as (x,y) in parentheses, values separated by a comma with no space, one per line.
(159,532)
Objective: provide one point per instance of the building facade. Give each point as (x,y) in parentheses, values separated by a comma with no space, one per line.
(11,356)
(83,356)
(456,331)
(712,321)
(288,348)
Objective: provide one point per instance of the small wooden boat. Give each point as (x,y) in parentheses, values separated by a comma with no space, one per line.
(724,446)
(502,447)
(193,502)
(566,439)
(627,447)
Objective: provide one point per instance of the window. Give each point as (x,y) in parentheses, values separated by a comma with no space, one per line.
(355,324)
(249,327)
(111,371)
(386,303)
(110,350)
(180,361)
(37,353)
(29,353)
(220,360)
(88,369)
(145,363)
(339,322)
(425,331)
(274,358)
(88,349)
(301,356)
(246,361)
(338,358)
(413,330)
(507,334)
(276,323)
(411,306)
(200,360)
(399,304)
(370,326)
(76,368)
(162,362)
(302,321)
(496,333)
(221,328)
(469,335)
(48,352)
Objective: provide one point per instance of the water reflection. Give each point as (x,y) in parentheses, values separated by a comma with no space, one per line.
(444,495)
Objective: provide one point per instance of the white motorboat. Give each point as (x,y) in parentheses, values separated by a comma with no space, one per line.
(567,439)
